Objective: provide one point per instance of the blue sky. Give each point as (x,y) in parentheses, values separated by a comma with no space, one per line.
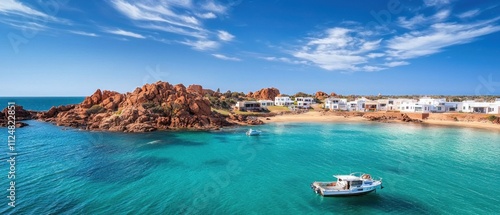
(69,47)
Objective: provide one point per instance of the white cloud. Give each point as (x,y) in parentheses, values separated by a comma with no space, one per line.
(224,57)
(201,45)
(441,15)
(355,49)
(338,49)
(225,36)
(176,30)
(125,33)
(179,17)
(396,63)
(284,60)
(421,20)
(438,3)
(214,7)
(438,36)
(375,55)
(15,7)
(371,68)
(84,33)
(469,14)
(156,13)
(208,15)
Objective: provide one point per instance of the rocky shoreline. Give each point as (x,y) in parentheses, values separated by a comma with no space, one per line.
(157,106)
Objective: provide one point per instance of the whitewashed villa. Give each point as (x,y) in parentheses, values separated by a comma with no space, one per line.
(283,101)
(266,103)
(336,104)
(304,102)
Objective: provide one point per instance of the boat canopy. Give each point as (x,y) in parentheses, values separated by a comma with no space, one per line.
(347,177)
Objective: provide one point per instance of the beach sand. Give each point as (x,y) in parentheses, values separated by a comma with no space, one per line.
(316,116)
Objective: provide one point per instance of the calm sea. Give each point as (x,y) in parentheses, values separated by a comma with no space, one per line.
(426,170)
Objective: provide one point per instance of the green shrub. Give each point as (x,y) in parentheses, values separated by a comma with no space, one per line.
(492,118)
(158,110)
(148,105)
(95,109)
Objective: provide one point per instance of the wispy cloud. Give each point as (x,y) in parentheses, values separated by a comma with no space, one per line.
(437,37)
(396,63)
(431,3)
(224,57)
(84,33)
(421,20)
(214,7)
(179,17)
(352,48)
(125,33)
(208,15)
(225,36)
(201,45)
(284,60)
(337,49)
(469,14)
(15,7)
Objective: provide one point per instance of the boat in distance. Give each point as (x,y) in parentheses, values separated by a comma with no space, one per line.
(348,185)
(252,132)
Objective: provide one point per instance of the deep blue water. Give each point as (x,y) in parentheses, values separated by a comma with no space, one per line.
(426,170)
(39,103)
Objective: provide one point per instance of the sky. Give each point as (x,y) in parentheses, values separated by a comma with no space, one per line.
(389,47)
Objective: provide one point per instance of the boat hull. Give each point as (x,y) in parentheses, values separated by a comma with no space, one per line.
(326,194)
(321,190)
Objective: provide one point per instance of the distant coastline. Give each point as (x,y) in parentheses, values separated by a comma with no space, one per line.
(163,106)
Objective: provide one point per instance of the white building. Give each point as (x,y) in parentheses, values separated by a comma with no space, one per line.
(391,105)
(406,105)
(356,105)
(304,102)
(247,106)
(471,106)
(283,101)
(266,103)
(336,104)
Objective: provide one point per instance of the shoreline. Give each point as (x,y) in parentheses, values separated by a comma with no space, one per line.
(318,117)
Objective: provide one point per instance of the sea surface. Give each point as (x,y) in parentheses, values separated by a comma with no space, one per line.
(425,169)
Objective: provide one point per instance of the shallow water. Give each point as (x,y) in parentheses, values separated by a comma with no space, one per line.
(434,170)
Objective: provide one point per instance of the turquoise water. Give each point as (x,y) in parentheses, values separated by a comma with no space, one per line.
(426,170)
(431,170)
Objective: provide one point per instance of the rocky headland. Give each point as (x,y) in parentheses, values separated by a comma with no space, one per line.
(157,106)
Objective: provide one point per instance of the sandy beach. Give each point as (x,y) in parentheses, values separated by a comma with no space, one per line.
(316,116)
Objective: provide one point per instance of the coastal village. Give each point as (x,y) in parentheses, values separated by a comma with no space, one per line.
(422,105)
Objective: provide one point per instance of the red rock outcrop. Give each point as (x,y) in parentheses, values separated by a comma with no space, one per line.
(333,94)
(148,108)
(265,94)
(321,95)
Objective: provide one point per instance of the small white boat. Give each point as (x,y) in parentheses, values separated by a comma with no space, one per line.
(252,132)
(348,185)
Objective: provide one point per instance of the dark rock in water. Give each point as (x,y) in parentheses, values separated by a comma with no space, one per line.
(20,115)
